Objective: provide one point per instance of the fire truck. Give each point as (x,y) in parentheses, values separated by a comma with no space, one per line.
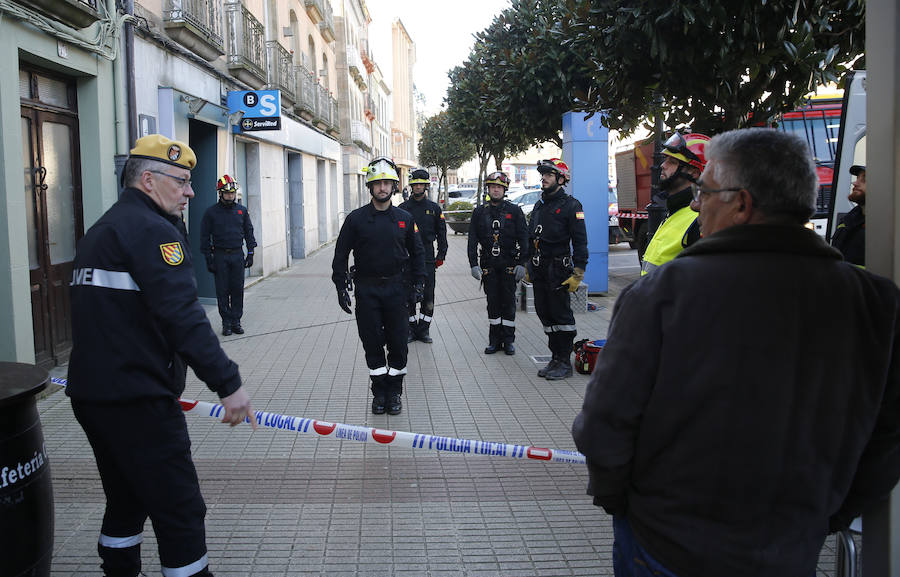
(818,120)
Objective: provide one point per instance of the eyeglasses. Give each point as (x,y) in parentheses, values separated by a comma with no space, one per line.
(697,190)
(182,182)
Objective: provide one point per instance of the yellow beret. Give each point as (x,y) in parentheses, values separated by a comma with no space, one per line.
(158,147)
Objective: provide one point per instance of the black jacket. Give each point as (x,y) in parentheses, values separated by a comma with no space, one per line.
(561,221)
(226,227)
(511,230)
(384,244)
(747,399)
(850,236)
(432,227)
(136,319)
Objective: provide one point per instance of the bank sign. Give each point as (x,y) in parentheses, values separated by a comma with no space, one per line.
(261,108)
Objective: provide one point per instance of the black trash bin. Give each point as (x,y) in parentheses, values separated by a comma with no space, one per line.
(26,494)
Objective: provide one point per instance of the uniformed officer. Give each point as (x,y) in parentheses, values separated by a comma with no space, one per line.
(224,229)
(558,255)
(386,250)
(681,168)
(430,221)
(136,325)
(500,230)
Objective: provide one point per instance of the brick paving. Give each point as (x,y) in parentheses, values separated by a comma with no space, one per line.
(283,505)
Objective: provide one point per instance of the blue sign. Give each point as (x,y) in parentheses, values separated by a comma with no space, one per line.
(261,109)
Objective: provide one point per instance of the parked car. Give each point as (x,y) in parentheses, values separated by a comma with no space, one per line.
(526,201)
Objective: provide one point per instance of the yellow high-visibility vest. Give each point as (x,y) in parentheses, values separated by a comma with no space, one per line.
(668,239)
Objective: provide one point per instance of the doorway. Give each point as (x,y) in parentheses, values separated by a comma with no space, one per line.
(295,199)
(203,141)
(54,219)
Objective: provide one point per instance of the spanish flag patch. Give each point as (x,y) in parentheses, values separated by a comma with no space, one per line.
(415,227)
(172,253)
(442,216)
(579,215)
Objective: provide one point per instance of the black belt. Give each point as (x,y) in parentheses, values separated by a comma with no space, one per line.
(229,250)
(377,279)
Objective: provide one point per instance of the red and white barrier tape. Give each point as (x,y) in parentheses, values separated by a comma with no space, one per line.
(344,432)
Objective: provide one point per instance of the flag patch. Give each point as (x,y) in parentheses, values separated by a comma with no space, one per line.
(172,253)
(579,215)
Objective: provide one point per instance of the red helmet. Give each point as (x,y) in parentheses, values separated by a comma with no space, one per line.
(689,149)
(554,165)
(498,177)
(226,184)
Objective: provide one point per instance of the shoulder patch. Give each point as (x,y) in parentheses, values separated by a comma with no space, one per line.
(172,253)
(579,215)
(415,227)
(442,216)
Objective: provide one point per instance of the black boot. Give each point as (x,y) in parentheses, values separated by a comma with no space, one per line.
(237,328)
(548,367)
(226,329)
(395,405)
(509,348)
(422,332)
(491,349)
(394,390)
(562,370)
(379,393)
(412,332)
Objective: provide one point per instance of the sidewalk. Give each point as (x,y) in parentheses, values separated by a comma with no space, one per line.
(284,504)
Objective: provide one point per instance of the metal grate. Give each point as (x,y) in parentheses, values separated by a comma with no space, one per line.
(541,359)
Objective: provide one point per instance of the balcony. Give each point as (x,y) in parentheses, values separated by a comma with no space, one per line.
(354,63)
(326,26)
(281,72)
(360,134)
(366,56)
(305,105)
(335,128)
(197,25)
(315,10)
(323,108)
(246,45)
(76,13)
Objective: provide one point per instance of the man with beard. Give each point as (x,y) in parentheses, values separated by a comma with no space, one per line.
(499,228)
(386,250)
(558,254)
(224,229)
(683,164)
(850,236)
(430,222)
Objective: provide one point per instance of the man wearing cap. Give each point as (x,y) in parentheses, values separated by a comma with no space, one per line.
(557,244)
(850,236)
(136,326)
(430,222)
(386,251)
(684,161)
(224,229)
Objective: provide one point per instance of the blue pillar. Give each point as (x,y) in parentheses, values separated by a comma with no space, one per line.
(586,151)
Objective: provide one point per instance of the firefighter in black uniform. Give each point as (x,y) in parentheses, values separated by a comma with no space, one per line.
(136,325)
(430,222)
(558,255)
(386,251)
(224,229)
(500,229)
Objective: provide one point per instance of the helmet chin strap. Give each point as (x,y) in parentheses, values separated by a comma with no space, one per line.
(669,183)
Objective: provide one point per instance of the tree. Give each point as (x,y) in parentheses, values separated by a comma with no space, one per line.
(715,63)
(443,147)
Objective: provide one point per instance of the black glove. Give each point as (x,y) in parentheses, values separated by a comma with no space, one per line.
(210,263)
(420,291)
(248,262)
(344,300)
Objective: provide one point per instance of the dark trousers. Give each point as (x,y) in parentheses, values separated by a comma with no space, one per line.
(426,307)
(551,302)
(381,319)
(500,288)
(629,558)
(229,277)
(143,455)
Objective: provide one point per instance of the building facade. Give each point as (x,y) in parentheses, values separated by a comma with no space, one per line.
(403,123)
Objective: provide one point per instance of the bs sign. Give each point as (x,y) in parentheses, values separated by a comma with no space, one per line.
(261,108)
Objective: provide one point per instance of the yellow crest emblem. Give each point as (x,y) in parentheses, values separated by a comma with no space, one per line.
(172,253)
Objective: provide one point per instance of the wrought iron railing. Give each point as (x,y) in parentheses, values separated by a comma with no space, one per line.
(323,108)
(203,15)
(306,90)
(246,41)
(335,119)
(281,70)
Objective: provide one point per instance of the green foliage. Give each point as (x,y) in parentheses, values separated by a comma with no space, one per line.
(442,146)
(713,63)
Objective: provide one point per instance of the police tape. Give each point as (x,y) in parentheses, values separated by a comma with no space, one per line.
(400,439)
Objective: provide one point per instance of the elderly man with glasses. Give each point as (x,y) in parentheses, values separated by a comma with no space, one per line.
(747,402)
(684,160)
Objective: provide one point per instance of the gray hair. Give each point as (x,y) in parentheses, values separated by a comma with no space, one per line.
(775,167)
(135,167)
